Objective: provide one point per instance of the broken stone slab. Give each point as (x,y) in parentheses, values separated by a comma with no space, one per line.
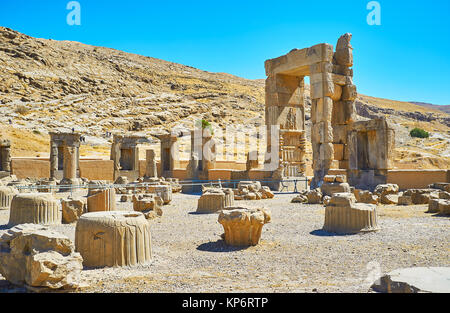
(440,186)
(404,200)
(328,189)
(114,238)
(444,195)
(386,189)
(415,280)
(96,186)
(365,196)
(433,206)
(33,255)
(299,199)
(243,226)
(252,186)
(148,202)
(267,193)
(163,191)
(421,196)
(35,208)
(389,199)
(314,196)
(444,207)
(72,209)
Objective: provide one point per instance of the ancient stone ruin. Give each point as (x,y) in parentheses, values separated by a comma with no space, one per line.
(344,216)
(102,200)
(243,226)
(35,208)
(200,163)
(113,239)
(125,154)
(338,140)
(169,153)
(215,199)
(151,170)
(35,256)
(5,158)
(65,158)
(371,148)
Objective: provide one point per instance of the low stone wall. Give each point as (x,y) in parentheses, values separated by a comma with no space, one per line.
(28,167)
(97,169)
(416,179)
(104,170)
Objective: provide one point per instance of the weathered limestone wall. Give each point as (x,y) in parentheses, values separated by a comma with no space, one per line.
(97,169)
(417,179)
(33,168)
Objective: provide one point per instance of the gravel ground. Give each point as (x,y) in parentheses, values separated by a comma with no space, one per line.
(294,254)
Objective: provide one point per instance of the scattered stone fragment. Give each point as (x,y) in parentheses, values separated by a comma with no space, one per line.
(365,196)
(405,200)
(314,196)
(33,255)
(72,209)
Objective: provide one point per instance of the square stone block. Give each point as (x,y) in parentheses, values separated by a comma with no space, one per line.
(327,152)
(349,92)
(338,151)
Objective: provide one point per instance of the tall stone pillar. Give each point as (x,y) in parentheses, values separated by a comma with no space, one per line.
(53,160)
(151,169)
(5,156)
(209,151)
(6,159)
(70,163)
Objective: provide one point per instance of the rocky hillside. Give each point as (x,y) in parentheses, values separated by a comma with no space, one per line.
(49,85)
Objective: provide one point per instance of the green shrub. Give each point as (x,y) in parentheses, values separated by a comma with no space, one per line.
(419,133)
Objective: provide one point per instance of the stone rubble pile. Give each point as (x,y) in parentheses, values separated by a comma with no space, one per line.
(252,190)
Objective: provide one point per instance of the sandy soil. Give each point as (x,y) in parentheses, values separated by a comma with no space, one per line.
(294,255)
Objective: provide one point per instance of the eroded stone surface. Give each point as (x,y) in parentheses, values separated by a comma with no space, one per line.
(344,216)
(215,200)
(32,255)
(72,209)
(113,239)
(36,208)
(243,226)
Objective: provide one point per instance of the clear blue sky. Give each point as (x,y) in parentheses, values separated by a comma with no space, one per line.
(406,58)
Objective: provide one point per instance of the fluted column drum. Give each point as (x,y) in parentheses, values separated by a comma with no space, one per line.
(35,208)
(6,196)
(104,200)
(110,239)
(343,216)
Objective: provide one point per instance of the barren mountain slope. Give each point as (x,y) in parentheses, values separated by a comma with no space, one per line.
(47,85)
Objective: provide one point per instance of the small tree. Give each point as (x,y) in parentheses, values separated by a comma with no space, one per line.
(206,125)
(419,133)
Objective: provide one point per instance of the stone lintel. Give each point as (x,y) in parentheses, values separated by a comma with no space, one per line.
(298,62)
